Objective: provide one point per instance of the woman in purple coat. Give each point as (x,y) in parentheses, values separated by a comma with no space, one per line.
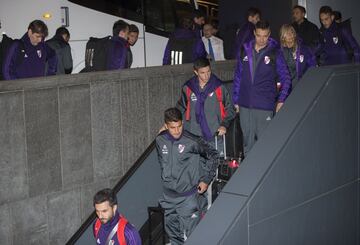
(298,57)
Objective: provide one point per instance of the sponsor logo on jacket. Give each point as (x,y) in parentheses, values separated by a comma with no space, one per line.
(164,150)
(193,97)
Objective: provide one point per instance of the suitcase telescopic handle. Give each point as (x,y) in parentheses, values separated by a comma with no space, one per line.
(224,143)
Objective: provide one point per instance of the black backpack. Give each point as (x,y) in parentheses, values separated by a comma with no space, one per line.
(96,54)
(5,45)
(181,50)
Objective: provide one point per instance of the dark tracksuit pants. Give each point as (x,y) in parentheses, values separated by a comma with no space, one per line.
(182,214)
(253,123)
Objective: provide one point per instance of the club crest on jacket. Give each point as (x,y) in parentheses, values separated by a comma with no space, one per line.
(266,59)
(335,40)
(181,148)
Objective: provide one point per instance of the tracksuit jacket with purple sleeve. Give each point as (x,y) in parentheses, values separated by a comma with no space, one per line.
(198,50)
(245,34)
(256,87)
(33,60)
(335,44)
(117,54)
(132,236)
(304,59)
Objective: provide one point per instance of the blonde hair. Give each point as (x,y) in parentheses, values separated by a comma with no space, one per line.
(287,29)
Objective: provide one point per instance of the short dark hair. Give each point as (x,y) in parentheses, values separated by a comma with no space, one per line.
(38,26)
(337,15)
(172,114)
(301,8)
(133,28)
(119,26)
(200,63)
(262,24)
(186,23)
(197,13)
(252,11)
(62,31)
(104,195)
(326,10)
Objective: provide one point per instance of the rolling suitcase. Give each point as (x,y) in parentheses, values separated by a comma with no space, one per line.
(234,139)
(155,233)
(227,164)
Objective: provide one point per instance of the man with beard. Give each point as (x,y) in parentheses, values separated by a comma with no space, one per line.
(110,227)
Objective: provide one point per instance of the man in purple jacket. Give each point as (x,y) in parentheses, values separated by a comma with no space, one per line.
(117,56)
(259,63)
(27,57)
(246,33)
(338,44)
(184,46)
(110,227)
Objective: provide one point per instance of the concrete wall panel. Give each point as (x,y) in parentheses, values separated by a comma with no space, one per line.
(5,225)
(75,133)
(43,140)
(64,215)
(106,130)
(134,99)
(158,103)
(29,221)
(13,170)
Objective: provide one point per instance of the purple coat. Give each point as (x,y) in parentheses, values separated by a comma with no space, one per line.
(117,54)
(198,50)
(335,44)
(256,88)
(33,61)
(245,34)
(132,236)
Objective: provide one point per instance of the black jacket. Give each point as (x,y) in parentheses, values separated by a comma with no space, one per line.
(308,32)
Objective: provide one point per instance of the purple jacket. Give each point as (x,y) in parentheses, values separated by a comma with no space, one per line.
(304,59)
(198,50)
(132,236)
(256,88)
(245,34)
(335,45)
(117,53)
(33,60)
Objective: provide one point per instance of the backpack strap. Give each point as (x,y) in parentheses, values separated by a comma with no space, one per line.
(218,93)
(97,227)
(121,230)
(188,102)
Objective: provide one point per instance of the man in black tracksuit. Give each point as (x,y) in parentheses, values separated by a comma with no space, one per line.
(188,164)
